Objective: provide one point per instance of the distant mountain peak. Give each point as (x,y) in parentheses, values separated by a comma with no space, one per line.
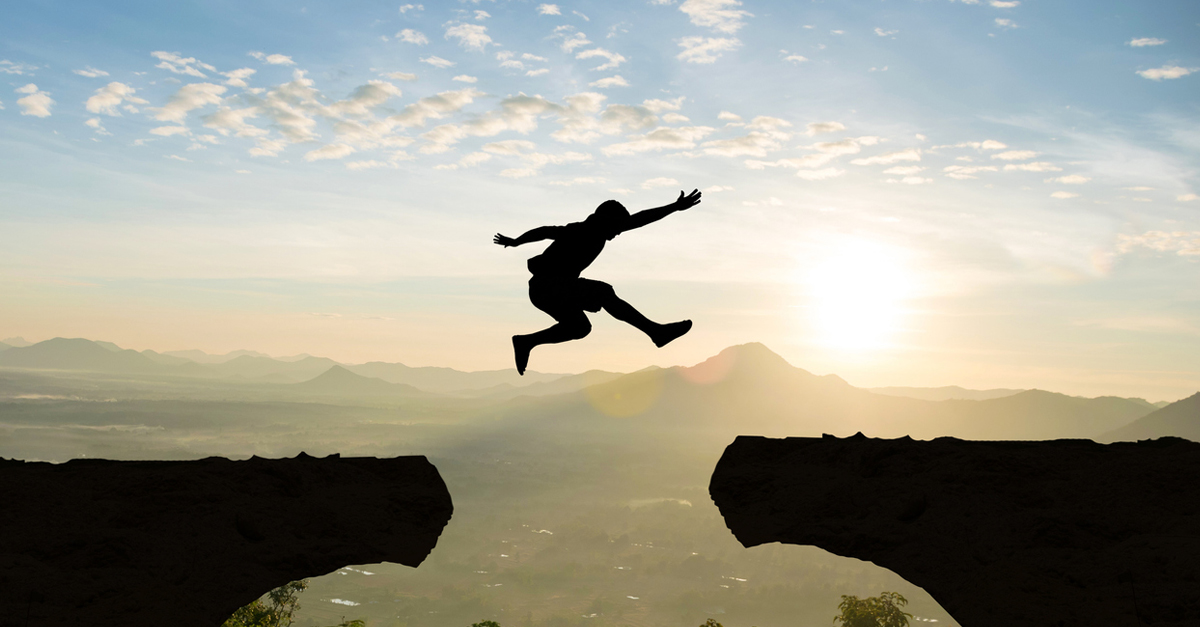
(337,372)
(342,381)
(753,360)
(18,342)
(753,353)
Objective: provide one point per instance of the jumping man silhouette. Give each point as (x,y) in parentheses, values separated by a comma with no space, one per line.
(557,289)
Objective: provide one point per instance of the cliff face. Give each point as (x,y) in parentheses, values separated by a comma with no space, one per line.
(1013,534)
(96,542)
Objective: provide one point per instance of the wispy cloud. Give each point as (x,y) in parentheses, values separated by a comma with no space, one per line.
(272,59)
(177,64)
(20,69)
(411,36)
(1070,179)
(548,9)
(90,72)
(964,172)
(1168,72)
(612,81)
(662,138)
(470,36)
(1141,42)
(705,49)
(614,59)
(1036,166)
(1015,155)
(108,98)
(330,151)
(817,128)
(661,181)
(1184,243)
(189,97)
(718,15)
(909,154)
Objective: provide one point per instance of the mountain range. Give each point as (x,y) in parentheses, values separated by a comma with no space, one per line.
(748,389)
(744,389)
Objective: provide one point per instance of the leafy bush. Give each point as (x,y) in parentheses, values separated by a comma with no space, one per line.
(881,611)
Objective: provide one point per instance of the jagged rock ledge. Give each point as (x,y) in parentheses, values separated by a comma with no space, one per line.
(1012,534)
(185,543)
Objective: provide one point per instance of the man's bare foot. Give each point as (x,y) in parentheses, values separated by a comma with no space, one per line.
(521,352)
(669,332)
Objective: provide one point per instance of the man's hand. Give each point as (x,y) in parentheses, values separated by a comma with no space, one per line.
(687,202)
(504,240)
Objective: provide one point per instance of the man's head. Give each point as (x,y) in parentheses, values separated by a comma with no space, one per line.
(611,215)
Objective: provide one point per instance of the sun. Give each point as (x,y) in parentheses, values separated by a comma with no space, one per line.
(856,296)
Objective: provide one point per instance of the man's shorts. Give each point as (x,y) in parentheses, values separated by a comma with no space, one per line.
(568,298)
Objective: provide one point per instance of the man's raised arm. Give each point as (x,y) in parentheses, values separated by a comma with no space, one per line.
(533,235)
(644,217)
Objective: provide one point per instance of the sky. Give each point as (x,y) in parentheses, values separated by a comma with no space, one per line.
(981,193)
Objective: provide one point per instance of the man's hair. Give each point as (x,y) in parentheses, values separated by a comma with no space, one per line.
(610,209)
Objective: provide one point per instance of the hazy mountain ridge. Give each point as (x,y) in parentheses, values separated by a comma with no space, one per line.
(1180,419)
(202,357)
(748,389)
(448,380)
(743,389)
(944,393)
(77,354)
(100,356)
(339,381)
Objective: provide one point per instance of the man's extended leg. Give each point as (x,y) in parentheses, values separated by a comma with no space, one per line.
(660,334)
(573,328)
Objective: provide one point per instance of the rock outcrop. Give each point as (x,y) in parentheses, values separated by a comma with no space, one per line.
(150,543)
(1012,534)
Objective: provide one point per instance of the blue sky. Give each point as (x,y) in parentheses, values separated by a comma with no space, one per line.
(900,192)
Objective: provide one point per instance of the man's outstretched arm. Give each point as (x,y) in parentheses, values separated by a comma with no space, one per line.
(534,235)
(642,218)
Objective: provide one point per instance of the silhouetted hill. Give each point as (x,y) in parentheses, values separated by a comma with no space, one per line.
(748,389)
(77,354)
(1180,419)
(338,381)
(946,393)
(4,347)
(448,380)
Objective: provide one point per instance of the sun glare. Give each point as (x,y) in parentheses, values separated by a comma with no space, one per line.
(856,296)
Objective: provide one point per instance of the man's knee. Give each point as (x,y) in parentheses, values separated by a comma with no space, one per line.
(580,329)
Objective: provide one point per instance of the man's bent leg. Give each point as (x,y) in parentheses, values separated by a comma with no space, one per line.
(574,328)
